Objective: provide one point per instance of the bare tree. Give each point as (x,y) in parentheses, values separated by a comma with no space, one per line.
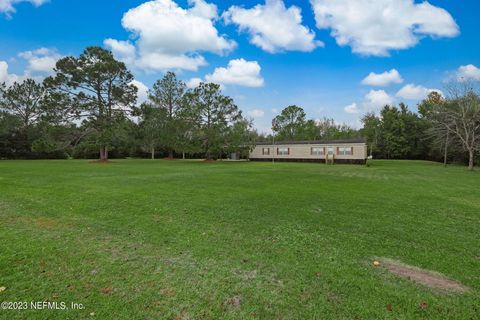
(458,118)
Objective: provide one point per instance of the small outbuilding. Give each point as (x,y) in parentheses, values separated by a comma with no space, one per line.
(335,151)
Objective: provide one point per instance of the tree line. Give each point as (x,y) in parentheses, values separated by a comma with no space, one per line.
(444,128)
(88,109)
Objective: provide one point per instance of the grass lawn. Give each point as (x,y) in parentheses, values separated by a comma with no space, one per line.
(140,239)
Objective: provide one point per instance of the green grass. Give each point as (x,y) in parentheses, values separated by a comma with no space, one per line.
(192,240)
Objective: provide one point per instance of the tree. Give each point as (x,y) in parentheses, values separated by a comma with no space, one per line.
(167,94)
(210,115)
(309,131)
(429,109)
(152,126)
(240,138)
(290,123)
(415,133)
(328,129)
(397,133)
(371,130)
(25,102)
(393,140)
(459,117)
(9,138)
(96,89)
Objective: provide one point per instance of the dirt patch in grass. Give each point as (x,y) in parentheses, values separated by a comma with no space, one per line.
(46,223)
(43,223)
(427,278)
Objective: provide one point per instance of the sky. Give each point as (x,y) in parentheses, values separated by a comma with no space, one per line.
(335,58)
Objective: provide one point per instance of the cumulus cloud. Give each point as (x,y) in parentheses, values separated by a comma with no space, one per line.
(6,77)
(352,108)
(415,92)
(8,6)
(382,79)
(256,113)
(40,63)
(373,101)
(377,27)
(468,72)
(167,36)
(193,82)
(273,27)
(376,99)
(238,72)
(142,94)
(123,50)
(41,60)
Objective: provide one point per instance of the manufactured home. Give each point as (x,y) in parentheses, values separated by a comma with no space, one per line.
(335,151)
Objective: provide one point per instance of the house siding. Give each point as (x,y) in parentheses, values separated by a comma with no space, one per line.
(302,152)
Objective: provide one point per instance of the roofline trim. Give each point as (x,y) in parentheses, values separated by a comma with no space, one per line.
(312,142)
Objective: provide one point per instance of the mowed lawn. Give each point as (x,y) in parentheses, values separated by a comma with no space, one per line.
(140,239)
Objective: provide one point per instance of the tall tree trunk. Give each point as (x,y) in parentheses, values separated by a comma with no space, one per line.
(445,155)
(103,153)
(471,160)
(183,155)
(170,154)
(153,153)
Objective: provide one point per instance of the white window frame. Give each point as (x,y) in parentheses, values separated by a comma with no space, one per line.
(317,151)
(283,151)
(345,151)
(266,153)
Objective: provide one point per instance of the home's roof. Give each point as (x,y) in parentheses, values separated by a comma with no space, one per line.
(359,140)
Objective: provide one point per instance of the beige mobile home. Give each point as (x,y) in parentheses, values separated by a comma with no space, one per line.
(337,151)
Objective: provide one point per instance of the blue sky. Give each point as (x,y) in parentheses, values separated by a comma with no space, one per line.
(266,54)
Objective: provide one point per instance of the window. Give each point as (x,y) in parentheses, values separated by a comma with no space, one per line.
(330,150)
(283,151)
(317,151)
(266,151)
(345,151)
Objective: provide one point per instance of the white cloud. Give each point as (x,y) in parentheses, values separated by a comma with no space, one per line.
(6,77)
(41,60)
(193,82)
(170,37)
(352,108)
(273,27)
(256,113)
(40,63)
(142,94)
(415,92)
(377,99)
(10,78)
(123,50)
(382,79)
(8,6)
(377,27)
(238,72)
(468,72)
